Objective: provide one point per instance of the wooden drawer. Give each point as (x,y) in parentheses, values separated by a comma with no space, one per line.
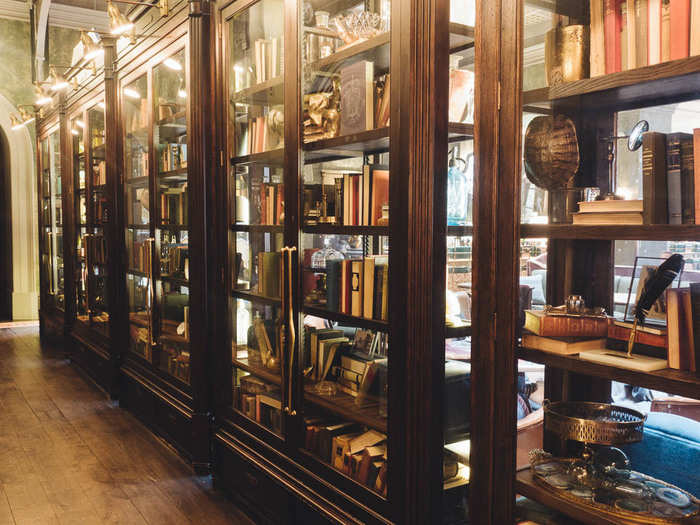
(138,400)
(266,501)
(175,426)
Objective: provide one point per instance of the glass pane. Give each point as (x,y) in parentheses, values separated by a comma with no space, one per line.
(56,250)
(256,354)
(344,349)
(170,139)
(77,131)
(256,87)
(138,241)
(255,57)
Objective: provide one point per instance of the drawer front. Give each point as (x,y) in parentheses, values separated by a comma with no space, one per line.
(175,426)
(93,364)
(138,400)
(264,499)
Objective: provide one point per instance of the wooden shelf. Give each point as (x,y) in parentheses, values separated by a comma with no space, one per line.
(174,173)
(138,273)
(650,84)
(258,228)
(461,37)
(262,373)
(649,232)
(272,157)
(173,227)
(175,280)
(337,229)
(457,131)
(348,320)
(344,405)
(268,92)
(526,485)
(374,49)
(371,141)
(173,119)
(667,380)
(460,231)
(453,332)
(255,298)
(138,227)
(137,180)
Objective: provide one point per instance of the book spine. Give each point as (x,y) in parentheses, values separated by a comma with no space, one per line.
(624,47)
(631,34)
(612,36)
(673,317)
(695,27)
(687,180)
(654,178)
(597,36)
(696,169)
(695,312)
(673,173)
(680,25)
(665,30)
(642,30)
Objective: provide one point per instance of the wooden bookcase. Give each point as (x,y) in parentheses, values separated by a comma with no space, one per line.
(582,259)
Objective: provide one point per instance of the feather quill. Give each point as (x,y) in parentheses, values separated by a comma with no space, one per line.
(653,288)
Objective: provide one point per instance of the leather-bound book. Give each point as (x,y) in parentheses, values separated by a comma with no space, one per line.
(687,179)
(357,97)
(654,178)
(665,30)
(695,27)
(680,29)
(612,26)
(673,176)
(539,323)
(695,310)
(696,164)
(641,22)
(679,346)
(597,36)
(654,31)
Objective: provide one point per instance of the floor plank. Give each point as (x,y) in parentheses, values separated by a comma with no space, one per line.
(69,456)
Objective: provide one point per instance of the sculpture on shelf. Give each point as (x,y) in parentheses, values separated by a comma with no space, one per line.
(551,152)
(322,114)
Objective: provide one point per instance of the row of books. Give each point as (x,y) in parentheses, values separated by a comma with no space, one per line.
(261,402)
(173,205)
(675,345)
(99,173)
(101,210)
(137,254)
(256,136)
(670,181)
(350,199)
(173,157)
(138,119)
(95,248)
(175,262)
(271,209)
(361,455)
(268,58)
(138,163)
(627,34)
(269,271)
(358,287)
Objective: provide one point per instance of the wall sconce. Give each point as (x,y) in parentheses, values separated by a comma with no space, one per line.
(25,117)
(58,83)
(42,97)
(91,49)
(120,24)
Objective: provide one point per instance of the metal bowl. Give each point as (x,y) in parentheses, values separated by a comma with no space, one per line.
(594,423)
(551,151)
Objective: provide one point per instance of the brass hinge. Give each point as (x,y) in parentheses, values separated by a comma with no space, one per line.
(499,96)
(221,158)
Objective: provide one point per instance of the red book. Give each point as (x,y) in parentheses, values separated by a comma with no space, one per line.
(696,174)
(380,193)
(612,25)
(680,29)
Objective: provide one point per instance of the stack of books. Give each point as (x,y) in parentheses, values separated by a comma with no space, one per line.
(627,34)
(358,287)
(268,59)
(671,178)
(609,212)
(261,402)
(359,454)
(683,324)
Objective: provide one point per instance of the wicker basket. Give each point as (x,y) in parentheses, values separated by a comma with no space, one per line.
(594,423)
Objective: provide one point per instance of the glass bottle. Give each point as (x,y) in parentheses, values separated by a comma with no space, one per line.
(457,192)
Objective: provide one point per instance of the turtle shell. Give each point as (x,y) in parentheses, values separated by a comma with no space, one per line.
(551,151)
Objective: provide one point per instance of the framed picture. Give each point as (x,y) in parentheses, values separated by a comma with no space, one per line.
(644,269)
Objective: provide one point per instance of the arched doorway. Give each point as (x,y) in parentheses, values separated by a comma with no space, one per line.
(5,230)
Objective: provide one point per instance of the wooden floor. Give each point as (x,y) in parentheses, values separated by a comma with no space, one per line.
(69,456)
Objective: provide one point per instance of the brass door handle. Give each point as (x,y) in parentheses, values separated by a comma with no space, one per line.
(150,242)
(291,340)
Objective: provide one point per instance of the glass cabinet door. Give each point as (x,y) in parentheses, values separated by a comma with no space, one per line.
(169,95)
(46,213)
(98,218)
(77,134)
(460,192)
(139,242)
(344,348)
(56,232)
(255,65)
